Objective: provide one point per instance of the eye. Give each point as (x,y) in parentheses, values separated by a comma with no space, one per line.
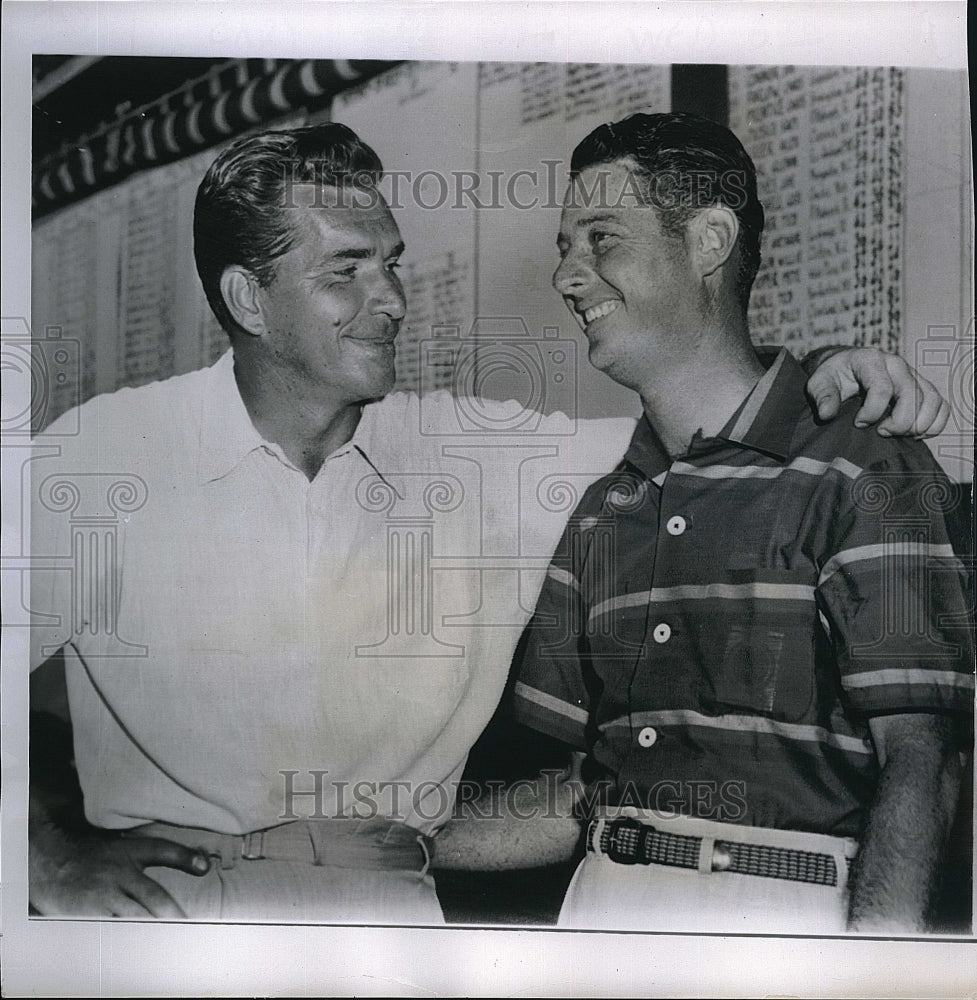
(345,273)
(393,265)
(601,240)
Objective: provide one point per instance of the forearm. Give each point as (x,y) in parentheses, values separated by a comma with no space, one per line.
(895,873)
(526,825)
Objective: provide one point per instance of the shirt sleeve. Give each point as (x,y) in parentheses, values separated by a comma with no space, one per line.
(550,692)
(895,593)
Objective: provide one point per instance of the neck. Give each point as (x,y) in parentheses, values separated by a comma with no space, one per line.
(307,426)
(700,391)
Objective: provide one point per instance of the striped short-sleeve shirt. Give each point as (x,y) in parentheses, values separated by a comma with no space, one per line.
(716,630)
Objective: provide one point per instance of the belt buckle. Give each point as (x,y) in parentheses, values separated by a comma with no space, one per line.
(641,832)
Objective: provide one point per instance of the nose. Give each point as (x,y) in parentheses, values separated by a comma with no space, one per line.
(388,297)
(571,275)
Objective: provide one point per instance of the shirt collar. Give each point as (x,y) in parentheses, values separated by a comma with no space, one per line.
(368,443)
(645,451)
(227,434)
(764,421)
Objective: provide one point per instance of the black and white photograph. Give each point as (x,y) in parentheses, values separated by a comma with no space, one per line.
(485,515)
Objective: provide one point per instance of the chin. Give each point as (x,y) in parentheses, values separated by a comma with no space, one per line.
(377,388)
(600,357)
(614,366)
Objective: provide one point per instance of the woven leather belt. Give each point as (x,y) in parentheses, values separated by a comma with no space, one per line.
(629,842)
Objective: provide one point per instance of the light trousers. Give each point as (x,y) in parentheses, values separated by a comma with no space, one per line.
(336,872)
(607,895)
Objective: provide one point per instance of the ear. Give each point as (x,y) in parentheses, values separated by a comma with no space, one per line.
(714,232)
(242,298)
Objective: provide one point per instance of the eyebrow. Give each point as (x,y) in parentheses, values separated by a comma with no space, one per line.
(352,253)
(361,253)
(590,219)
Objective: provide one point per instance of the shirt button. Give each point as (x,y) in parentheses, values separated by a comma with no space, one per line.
(662,633)
(676,525)
(647,737)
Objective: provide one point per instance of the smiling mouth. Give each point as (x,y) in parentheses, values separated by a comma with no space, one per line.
(596,312)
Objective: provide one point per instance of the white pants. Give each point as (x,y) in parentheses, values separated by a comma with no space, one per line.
(607,895)
(297,892)
(349,884)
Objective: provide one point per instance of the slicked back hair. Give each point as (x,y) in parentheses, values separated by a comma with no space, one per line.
(241,213)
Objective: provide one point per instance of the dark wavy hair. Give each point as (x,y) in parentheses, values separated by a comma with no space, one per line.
(703,153)
(239,216)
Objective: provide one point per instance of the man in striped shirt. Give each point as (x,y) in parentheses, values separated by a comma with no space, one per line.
(753,628)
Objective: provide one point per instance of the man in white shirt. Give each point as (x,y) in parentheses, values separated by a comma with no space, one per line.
(287,601)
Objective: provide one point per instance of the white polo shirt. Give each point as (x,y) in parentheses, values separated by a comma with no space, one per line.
(236,636)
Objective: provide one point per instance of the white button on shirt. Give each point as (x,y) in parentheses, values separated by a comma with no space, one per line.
(254,635)
(647,737)
(676,525)
(662,633)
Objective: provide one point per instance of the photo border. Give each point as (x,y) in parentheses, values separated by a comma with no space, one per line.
(46,957)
